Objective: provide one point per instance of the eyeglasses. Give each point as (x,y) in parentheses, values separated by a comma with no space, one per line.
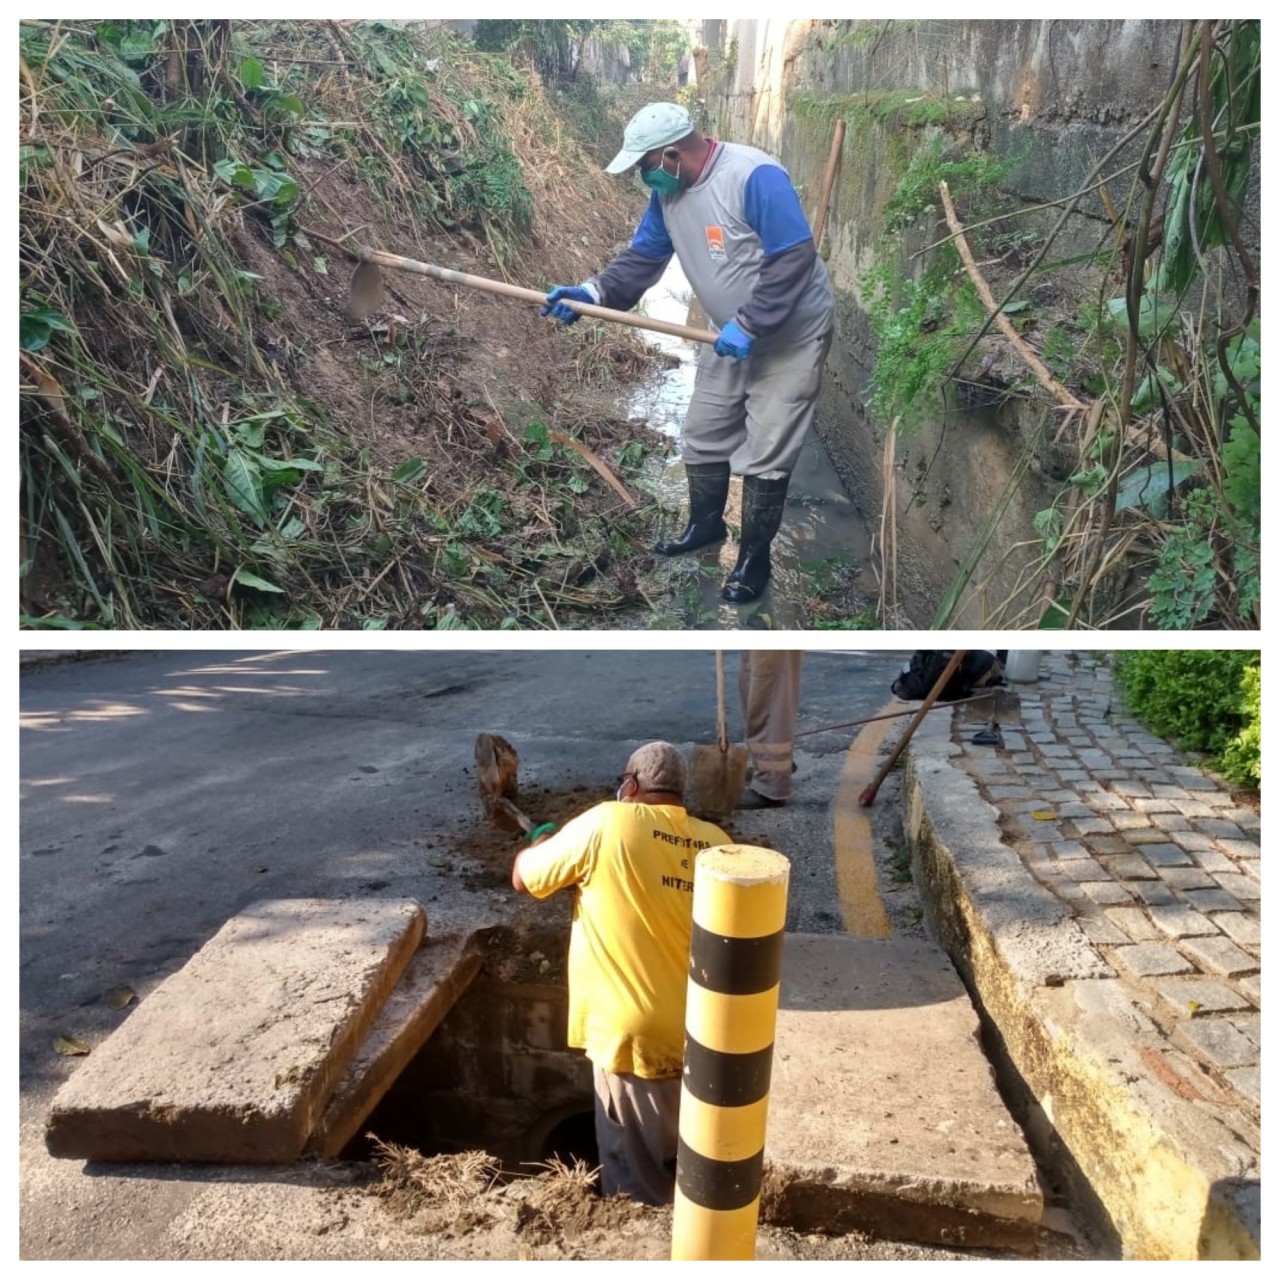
(662,156)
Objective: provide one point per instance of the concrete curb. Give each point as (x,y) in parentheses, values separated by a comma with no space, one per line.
(1170,1171)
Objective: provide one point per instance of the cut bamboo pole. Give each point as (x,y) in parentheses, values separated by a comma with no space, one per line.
(828,182)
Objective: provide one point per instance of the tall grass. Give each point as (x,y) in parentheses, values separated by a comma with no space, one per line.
(172,475)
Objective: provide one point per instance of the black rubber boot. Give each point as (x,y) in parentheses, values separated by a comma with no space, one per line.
(762,505)
(708,492)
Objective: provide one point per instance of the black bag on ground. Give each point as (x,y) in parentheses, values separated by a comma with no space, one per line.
(978,669)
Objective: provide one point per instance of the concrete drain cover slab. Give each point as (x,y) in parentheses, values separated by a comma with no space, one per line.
(232,1058)
(440,972)
(883,1113)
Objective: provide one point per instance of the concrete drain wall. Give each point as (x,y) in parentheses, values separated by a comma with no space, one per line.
(497,1074)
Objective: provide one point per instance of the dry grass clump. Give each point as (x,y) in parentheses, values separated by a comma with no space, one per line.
(442,1185)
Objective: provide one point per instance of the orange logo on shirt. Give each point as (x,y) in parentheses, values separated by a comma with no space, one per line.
(715,243)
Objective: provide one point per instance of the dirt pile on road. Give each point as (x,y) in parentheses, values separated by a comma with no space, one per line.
(207,440)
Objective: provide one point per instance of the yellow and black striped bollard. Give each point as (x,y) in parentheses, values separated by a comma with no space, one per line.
(739,915)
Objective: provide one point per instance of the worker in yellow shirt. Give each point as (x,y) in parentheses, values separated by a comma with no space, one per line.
(631,860)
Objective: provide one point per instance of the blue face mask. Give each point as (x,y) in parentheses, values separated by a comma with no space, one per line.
(659,180)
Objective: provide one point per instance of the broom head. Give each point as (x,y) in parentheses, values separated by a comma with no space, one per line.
(718,779)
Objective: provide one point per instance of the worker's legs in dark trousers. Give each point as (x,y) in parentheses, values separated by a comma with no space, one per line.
(769,691)
(637,1127)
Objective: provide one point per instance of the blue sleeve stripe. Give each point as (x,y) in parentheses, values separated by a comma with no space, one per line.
(651,238)
(773,210)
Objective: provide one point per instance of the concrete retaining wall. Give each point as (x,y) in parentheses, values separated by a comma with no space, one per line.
(1052,96)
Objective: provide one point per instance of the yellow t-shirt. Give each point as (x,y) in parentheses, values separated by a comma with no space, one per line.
(632,922)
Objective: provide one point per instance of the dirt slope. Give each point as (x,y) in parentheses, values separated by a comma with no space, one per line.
(207,439)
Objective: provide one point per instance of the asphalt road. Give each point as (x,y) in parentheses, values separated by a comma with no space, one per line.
(160,794)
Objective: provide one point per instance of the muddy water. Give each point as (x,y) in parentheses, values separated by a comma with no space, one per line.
(819,548)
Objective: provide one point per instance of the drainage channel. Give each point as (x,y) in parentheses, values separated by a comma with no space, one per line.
(497,1074)
(821,551)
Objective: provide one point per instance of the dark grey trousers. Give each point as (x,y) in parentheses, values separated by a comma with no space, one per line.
(754,413)
(637,1127)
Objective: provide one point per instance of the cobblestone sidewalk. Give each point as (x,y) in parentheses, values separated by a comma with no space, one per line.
(1155,858)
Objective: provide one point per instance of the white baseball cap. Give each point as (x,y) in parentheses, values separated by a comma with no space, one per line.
(657,125)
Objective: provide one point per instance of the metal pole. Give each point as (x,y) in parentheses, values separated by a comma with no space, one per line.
(739,915)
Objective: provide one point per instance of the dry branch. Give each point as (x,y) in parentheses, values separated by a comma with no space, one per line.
(1029,357)
(595,461)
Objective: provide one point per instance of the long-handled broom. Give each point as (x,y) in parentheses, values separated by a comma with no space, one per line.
(868,795)
(719,772)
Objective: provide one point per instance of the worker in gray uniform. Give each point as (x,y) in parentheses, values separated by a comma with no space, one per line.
(769,694)
(732,217)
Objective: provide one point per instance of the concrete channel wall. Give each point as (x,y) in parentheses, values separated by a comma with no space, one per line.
(1052,96)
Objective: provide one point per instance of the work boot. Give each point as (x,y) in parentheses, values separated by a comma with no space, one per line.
(762,504)
(708,492)
(753,799)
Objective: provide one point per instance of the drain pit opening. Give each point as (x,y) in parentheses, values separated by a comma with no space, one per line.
(497,1074)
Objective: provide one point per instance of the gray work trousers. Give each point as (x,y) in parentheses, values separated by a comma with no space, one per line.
(769,691)
(637,1127)
(754,413)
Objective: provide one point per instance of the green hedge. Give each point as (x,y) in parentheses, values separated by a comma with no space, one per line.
(1242,756)
(1206,700)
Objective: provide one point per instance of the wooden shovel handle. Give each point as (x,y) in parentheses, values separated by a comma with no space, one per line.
(722,727)
(396,263)
(828,181)
(532,295)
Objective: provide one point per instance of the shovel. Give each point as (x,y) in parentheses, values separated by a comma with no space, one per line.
(719,772)
(366,290)
(496,764)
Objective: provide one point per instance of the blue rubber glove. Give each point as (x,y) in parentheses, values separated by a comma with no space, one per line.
(734,341)
(566,315)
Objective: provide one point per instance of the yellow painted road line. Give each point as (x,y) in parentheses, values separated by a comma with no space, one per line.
(860,903)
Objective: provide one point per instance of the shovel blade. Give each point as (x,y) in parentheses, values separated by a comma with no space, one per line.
(497,763)
(365,296)
(718,779)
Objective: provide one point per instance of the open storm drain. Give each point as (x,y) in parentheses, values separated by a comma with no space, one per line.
(497,1074)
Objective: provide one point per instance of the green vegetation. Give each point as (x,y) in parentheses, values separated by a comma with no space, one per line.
(1188,371)
(922,323)
(1204,700)
(900,862)
(1158,516)
(897,109)
(1242,757)
(175,468)
(553,45)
